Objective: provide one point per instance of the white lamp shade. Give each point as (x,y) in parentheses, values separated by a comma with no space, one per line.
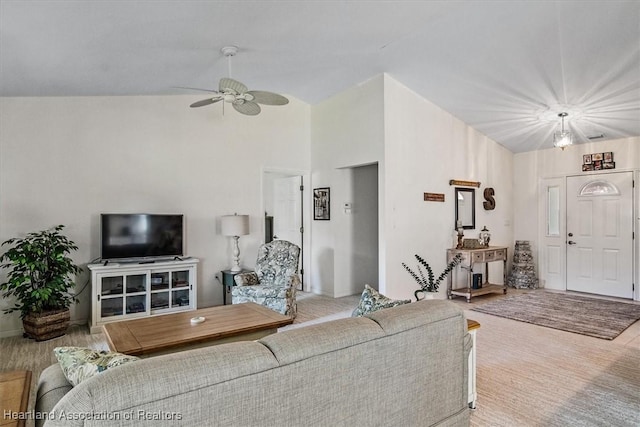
(234,225)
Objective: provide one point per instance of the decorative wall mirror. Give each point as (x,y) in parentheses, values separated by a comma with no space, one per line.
(466,207)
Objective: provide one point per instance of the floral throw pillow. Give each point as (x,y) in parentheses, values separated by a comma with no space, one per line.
(246,279)
(80,363)
(372,300)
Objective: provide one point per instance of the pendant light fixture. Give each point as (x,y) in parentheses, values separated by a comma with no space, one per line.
(563,138)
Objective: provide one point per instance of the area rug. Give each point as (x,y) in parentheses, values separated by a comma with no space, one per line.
(572,313)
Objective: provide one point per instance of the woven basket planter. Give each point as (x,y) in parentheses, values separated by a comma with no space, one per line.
(46,325)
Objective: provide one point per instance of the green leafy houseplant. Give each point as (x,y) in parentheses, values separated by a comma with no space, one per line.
(429,283)
(40,270)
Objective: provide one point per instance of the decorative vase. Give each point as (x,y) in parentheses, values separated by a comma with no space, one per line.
(523,271)
(425,295)
(485,236)
(46,325)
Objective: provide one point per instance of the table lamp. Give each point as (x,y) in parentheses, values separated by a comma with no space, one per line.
(235,226)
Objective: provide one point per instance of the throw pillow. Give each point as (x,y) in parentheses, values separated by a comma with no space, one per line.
(372,300)
(80,363)
(246,279)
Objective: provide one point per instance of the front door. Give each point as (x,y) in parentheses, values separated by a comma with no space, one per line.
(600,234)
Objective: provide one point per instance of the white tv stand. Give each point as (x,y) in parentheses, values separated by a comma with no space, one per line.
(131,289)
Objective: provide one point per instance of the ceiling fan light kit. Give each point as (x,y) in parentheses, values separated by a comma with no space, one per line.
(562,138)
(242,99)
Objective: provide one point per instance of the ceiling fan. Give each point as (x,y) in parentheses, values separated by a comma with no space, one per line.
(245,101)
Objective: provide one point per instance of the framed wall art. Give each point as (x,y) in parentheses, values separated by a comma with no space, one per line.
(321,204)
(598,161)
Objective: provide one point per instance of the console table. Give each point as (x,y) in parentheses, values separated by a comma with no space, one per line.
(470,257)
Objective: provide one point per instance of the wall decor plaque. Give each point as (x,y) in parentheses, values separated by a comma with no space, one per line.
(434,197)
(464,183)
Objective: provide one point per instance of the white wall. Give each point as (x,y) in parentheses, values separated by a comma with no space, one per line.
(425,147)
(418,147)
(347,130)
(533,166)
(66,160)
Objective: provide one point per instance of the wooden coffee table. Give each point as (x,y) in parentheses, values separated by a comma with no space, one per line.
(14,397)
(174,332)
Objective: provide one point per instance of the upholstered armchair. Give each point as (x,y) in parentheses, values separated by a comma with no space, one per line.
(275,280)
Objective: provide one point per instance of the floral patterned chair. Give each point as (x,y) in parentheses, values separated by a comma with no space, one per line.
(275,280)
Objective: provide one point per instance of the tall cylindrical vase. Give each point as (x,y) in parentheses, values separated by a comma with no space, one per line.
(523,271)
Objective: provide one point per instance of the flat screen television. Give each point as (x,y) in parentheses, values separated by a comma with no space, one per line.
(131,236)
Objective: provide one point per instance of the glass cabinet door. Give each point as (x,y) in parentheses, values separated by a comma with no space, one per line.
(159,300)
(180,288)
(111,290)
(136,304)
(111,307)
(180,279)
(180,298)
(111,285)
(136,283)
(136,293)
(159,281)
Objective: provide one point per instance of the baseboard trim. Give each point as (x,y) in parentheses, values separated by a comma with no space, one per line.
(12,333)
(19,332)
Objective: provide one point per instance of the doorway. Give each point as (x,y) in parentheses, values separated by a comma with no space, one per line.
(362,216)
(283,202)
(599,234)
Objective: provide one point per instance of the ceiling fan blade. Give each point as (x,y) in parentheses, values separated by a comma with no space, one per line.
(205,102)
(247,107)
(268,98)
(227,84)
(196,88)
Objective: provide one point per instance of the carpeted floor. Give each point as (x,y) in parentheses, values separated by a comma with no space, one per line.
(594,317)
(532,376)
(528,376)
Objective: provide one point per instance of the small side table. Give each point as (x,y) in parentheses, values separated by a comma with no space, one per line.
(14,397)
(228,283)
(472,327)
(477,256)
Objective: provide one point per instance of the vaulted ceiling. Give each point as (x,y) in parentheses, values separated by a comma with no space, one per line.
(506,68)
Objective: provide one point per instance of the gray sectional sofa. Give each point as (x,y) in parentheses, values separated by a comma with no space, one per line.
(403,366)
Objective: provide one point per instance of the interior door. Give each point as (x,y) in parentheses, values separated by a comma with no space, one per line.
(600,234)
(287,209)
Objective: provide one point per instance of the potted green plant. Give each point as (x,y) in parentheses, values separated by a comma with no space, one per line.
(429,283)
(39,277)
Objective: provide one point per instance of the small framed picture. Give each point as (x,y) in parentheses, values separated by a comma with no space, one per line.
(608,156)
(587,167)
(597,165)
(586,159)
(321,204)
(608,165)
(596,156)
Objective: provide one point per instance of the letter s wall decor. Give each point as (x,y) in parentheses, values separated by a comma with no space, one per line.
(490,203)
